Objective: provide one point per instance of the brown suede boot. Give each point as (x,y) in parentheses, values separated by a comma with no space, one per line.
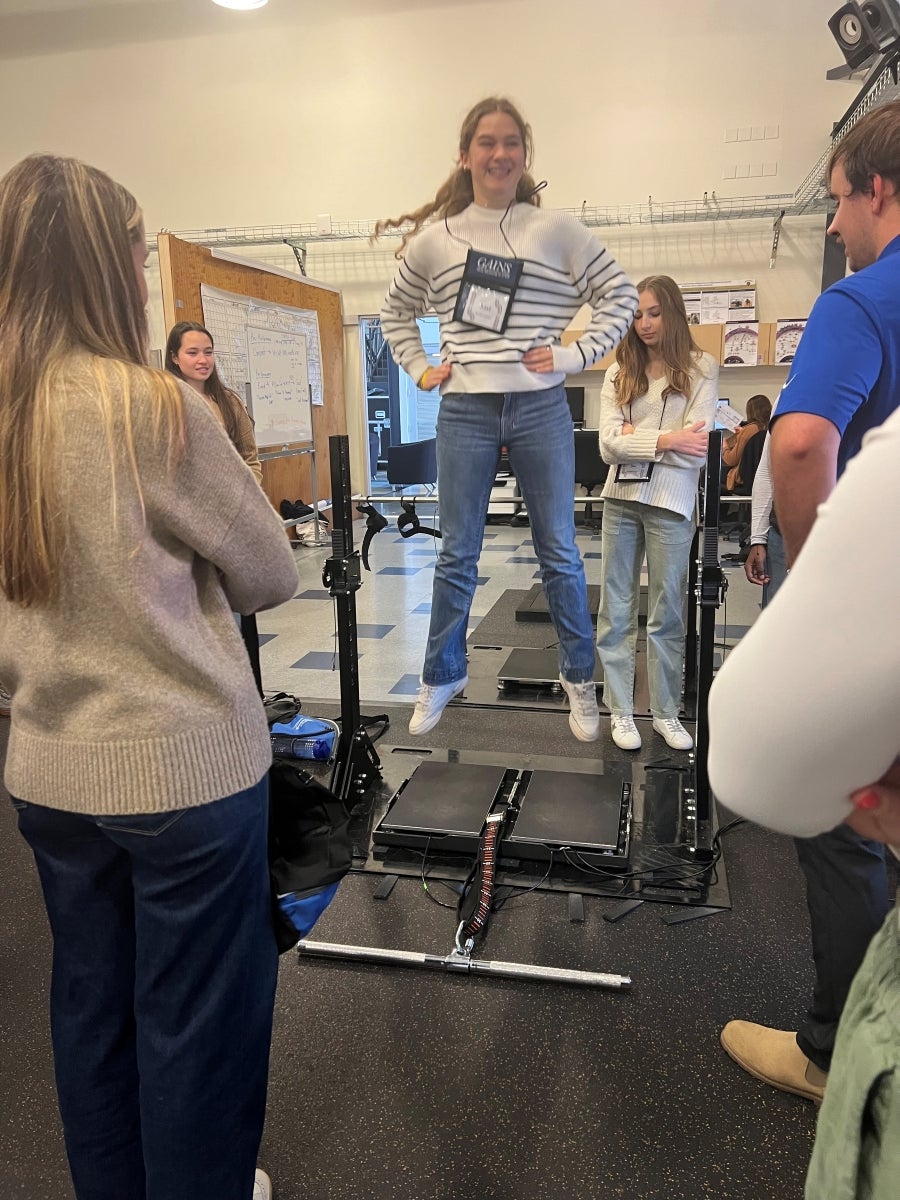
(773,1056)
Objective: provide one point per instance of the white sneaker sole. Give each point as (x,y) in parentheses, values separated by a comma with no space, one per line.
(429,723)
(580,733)
(675,745)
(578,730)
(627,741)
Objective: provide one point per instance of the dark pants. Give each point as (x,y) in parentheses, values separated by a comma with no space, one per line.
(164,968)
(847,894)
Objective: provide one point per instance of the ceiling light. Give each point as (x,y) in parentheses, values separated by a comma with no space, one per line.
(240,3)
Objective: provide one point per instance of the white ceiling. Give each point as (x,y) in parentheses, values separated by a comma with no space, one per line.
(9,8)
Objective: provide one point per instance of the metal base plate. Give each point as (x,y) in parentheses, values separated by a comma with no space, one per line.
(444,805)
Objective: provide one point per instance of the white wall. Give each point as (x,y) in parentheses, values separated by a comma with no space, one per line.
(352,108)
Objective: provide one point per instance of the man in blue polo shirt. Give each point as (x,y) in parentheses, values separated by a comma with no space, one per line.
(845,380)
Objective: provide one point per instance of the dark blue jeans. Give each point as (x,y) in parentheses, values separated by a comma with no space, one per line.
(164,969)
(536,428)
(848,898)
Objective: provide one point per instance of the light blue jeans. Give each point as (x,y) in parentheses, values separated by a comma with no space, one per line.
(629,530)
(536,429)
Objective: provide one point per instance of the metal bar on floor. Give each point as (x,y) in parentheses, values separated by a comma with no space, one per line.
(462,964)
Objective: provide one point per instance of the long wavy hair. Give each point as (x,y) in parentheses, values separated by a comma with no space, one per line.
(67,286)
(213,386)
(677,347)
(456,193)
(759,410)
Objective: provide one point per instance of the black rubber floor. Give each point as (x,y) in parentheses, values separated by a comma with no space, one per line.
(415,1085)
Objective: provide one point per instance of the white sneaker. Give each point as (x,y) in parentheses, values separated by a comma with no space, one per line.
(673,733)
(584,716)
(624,732)
(431,703)
(262,1186)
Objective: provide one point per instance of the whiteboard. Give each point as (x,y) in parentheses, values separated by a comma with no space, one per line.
(228,317)
(279,386)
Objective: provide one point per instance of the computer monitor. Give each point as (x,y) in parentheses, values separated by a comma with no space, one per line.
(575,397)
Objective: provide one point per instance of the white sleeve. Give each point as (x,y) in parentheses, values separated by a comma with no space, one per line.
(701,407)
(408,298)
(762,498)
(805,709)
(612,297)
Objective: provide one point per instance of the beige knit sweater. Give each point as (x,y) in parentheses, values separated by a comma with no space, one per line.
(133,692)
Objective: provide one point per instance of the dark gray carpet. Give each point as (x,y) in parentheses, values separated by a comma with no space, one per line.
(396,1084)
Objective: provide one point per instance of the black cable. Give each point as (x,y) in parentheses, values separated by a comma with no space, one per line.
(434,899)
(514,893)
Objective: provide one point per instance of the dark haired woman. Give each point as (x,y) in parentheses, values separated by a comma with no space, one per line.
(138,747)
(505,279)
(759,410)
(191,356)
(657,403)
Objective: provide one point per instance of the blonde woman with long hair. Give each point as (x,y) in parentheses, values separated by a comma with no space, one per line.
(657,404)
(138,746)
(505,279)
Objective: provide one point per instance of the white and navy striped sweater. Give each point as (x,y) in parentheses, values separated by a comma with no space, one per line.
(565,268)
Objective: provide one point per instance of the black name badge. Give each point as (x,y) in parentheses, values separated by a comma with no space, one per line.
(634,472)
(487,289)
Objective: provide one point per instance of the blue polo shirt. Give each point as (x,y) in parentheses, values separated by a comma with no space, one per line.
(847,366)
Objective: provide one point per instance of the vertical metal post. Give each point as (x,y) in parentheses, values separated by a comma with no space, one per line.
(357,763)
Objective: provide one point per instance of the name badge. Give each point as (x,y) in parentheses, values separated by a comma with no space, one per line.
(487,290)
(634,472)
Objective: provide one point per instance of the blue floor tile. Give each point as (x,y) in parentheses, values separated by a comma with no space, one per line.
(373,631)
(523,558)
(399,571)
(313,594)
(423,608)
(317,660)
(266,637)
(406,685)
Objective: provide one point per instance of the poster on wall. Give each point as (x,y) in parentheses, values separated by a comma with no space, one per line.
(742,303)
(713,308)
(692,307)
(787,339)
(741,346)
(719,303)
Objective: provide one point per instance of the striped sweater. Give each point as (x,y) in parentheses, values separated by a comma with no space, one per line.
(565,267)
(673,482)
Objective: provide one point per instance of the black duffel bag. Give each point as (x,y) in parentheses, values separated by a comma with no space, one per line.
(310,849)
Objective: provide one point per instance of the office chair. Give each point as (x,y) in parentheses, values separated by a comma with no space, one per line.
(411,463)
(590,469)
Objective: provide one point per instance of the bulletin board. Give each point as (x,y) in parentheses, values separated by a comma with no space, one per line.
(186,269)
(270,355)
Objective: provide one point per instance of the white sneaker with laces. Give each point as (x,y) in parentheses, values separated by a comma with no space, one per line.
(431,702)
(584,716)
(624,732)
(262,1186)
(673,733)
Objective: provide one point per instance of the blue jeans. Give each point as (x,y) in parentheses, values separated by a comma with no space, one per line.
(163,985)
(629,530)
(536,428)
(776,566)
